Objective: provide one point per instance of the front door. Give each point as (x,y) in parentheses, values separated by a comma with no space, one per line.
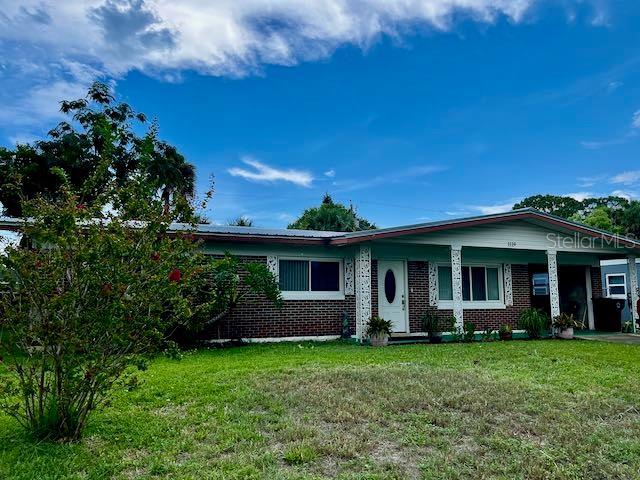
(392,300)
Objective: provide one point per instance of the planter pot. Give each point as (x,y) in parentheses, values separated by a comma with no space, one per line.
(567,333)
(435,337)
(379,340)
(506,335)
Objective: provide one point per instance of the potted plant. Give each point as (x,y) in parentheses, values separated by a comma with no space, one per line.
(431,325)
(505,332)
(378,330)
(564,325)
(534,321)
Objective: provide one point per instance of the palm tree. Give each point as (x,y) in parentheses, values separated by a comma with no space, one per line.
(171,174)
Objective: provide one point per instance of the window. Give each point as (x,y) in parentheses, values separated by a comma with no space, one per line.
(300,279)
(616,285)
(540,284)
(481,285)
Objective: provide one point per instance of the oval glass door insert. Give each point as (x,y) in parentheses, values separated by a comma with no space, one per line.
(390,286)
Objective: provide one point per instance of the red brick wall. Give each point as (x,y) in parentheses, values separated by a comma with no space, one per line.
(419,300)
(255,317)
(596,282)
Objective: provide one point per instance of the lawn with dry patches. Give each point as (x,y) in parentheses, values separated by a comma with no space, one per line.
(522,409)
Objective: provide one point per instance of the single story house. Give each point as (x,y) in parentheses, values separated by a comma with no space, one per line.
(483,269)
(616,283)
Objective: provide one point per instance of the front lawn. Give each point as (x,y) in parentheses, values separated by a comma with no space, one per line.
(545,409)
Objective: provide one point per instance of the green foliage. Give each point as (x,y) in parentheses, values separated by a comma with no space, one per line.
(464,334)
(83,304)
(488,335)
(553,204)
(378,327)
(430,323)
(241,221)
(613,214)
(505,328)
(97,147)
(534,321)
(599,218)
(331,216)
(564,321)
(92,290)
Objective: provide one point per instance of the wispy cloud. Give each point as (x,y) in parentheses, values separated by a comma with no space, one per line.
(330,173)
(626,178)
(591,181)
(632,132)
(413,173)
(163,38)
(492,209)
(264,173)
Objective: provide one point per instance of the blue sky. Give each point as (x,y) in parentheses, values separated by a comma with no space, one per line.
(414,110)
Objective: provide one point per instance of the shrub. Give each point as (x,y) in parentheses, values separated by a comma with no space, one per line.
(469,333)
(377,327)
(563,322)
(430,323)
(488,335)
(534,321)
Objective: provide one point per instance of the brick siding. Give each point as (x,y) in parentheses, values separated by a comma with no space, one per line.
(256,317)
(419,300)
(596,282)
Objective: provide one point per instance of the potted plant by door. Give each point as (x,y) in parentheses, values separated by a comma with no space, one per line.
(431,325)
(378,330)
(505,332)
(564,325)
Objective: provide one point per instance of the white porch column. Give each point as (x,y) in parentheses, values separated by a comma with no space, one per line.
(456,279)
(633,287)
(552,265)
(363,290)
(592,323)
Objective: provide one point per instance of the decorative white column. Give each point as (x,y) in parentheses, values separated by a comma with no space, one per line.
(633,286)
(363,290)
(508,285)
(554,295)
(433,284)
(272,265)
(349,274)
(456,279)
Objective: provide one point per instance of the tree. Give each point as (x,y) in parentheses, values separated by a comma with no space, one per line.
(241,221)
(556,205)
(331,216)
(631,219)
(100,145)
(599,218)
(93,290)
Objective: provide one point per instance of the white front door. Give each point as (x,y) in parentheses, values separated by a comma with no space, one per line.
(392,299)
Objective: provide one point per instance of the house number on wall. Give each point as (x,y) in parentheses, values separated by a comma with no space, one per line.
(511,244)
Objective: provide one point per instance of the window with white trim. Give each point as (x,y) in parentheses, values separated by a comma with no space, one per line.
(481,286)
(616,284)
(310,278)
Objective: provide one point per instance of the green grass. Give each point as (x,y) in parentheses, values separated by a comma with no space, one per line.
(545,409)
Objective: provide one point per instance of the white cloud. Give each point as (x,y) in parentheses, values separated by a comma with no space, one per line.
(579,196)
(265,173)
(626,178)
(52,49)
(635,120)
(625,194)
(410,173)
(330,173)
(590,181)
(492,209)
